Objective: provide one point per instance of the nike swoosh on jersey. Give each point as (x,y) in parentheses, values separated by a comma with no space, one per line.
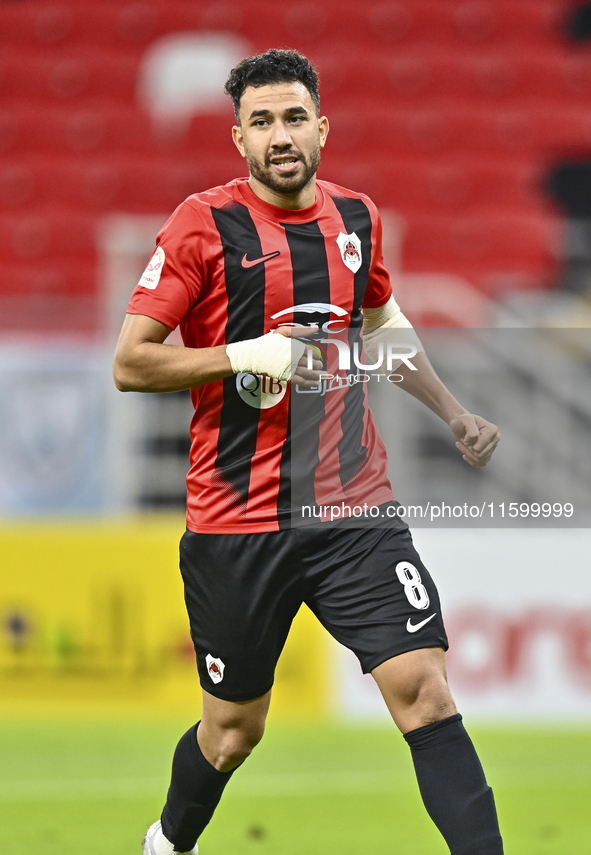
(248,263)
(415,627)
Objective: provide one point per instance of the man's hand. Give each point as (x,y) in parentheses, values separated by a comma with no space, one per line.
(303,375)
(476,438)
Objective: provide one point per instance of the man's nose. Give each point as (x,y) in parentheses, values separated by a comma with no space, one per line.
(281,135)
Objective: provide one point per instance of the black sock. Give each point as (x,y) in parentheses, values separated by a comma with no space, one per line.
(195,790)
(454,789)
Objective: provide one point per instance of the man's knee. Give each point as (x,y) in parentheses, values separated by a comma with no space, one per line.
(229,732)
(425,689)
(415,688)
(235,744)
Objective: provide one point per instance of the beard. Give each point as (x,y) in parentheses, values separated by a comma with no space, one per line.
(286,184)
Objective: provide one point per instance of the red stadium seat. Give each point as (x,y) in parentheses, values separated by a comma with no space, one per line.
(561,129)
(476,22)
(479,77)
(309,20)
(528,21)
(29,24)
(92,127)
(26,73)
(222,16)
(506,182)
(73,75)
(493,240)
(391,21)
(10,129)
(487,21)
(447,111)
(44,279)
(210,134)
(48,235)
(17,184)
(452,183)
(575,76)
(533,75)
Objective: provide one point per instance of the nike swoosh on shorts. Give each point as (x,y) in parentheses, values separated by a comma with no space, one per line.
(414,627)
(248,263)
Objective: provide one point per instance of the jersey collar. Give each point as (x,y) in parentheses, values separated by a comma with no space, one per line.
(272,212)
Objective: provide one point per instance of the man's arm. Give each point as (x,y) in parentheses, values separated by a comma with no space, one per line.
(476,438)
(144,363)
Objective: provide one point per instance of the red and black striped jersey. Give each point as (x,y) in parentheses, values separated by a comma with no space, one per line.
(229,266)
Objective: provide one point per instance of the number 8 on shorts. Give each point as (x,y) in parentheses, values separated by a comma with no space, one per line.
(415,591)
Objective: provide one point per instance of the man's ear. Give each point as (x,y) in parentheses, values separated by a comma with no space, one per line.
(323,129)
(238,139)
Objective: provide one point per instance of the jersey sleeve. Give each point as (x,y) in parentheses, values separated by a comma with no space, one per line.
(171,283)
(379,287)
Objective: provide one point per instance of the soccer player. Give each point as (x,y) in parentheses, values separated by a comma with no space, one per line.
(248,270)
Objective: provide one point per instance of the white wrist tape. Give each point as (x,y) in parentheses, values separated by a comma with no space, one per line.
(376,322)
(388,315)
(274,355)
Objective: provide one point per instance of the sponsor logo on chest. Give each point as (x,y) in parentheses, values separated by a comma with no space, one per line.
(259,391)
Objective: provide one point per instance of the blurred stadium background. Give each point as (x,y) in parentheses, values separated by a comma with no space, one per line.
(469,124)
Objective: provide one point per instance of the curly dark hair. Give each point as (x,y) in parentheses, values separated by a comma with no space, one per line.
(274,66)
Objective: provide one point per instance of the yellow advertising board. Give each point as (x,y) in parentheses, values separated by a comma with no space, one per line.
(92,620)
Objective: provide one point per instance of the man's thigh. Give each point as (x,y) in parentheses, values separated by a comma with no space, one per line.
(242,592)
(372,592)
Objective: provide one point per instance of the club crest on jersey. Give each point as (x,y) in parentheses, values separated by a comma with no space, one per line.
(151,275)
(350,247)
(215,668)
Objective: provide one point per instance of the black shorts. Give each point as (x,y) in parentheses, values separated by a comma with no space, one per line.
(368,587)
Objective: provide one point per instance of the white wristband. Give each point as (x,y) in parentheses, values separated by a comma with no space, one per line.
(388,315)
(378,324)
(274,355)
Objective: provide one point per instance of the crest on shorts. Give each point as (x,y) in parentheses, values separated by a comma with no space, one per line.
(215,668)
(350,247)
(151,275)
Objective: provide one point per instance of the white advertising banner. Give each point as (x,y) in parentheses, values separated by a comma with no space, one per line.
(54,427)
(517,607)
